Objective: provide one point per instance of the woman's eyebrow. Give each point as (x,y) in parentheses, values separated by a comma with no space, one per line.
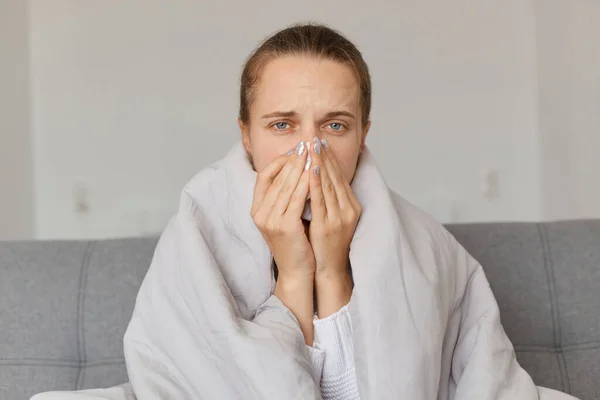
(333,114)
(278,114)
(288,114)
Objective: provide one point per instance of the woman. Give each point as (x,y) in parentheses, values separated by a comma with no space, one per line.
(255,292)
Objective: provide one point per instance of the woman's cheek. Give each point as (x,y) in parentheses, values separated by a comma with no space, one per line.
(348,163)
(348,171)
(264,157)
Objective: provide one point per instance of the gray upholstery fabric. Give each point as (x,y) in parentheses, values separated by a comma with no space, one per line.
(546,278)
(64,306)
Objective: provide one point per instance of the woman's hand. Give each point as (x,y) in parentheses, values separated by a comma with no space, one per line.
(279,198)
(335,214)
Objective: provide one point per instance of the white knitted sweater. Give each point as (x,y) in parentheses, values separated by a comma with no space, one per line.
(332,356)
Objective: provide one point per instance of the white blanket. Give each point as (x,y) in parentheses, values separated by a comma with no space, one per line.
(206,325)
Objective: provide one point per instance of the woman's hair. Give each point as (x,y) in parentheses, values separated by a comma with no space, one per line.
(309,40)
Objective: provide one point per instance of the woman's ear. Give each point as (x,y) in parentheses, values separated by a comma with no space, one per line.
(245,136)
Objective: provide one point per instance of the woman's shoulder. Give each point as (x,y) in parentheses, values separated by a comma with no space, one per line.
(437,249)
(428,235)
(207,181)
(213,185)
(205,193)
(418,221)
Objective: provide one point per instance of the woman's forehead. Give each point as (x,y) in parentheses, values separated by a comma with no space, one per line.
(299,82)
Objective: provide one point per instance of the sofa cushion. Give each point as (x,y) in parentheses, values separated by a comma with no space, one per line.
(64,306)
(546,279)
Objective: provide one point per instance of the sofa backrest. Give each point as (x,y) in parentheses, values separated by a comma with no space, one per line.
(546,279)
(65,305)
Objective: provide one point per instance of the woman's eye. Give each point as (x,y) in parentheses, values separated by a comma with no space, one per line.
(281,125)
(336,126)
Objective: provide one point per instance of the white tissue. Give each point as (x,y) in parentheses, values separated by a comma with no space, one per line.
(306,214)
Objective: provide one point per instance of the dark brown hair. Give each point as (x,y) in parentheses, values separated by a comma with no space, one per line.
(311,40)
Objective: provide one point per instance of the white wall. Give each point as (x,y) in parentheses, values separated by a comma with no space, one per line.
(569,83)
(456,95)
(16,210)
(132,97)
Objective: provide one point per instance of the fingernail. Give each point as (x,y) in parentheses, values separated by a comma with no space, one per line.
(316,169)
(325,143)
(289,153)
(300,148)
(317,146)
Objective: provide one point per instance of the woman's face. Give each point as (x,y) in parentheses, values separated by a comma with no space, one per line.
(299,98)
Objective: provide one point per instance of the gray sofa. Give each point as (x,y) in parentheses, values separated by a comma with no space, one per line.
(64,305)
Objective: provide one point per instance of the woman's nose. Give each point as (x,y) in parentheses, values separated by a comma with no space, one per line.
(310,134)
(310,141)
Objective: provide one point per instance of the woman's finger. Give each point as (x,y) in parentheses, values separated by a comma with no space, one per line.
(270,198)
(288,187)
(317,199)
(298,199)
(353,201)
(332,207)
(337,180)
(264,180)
